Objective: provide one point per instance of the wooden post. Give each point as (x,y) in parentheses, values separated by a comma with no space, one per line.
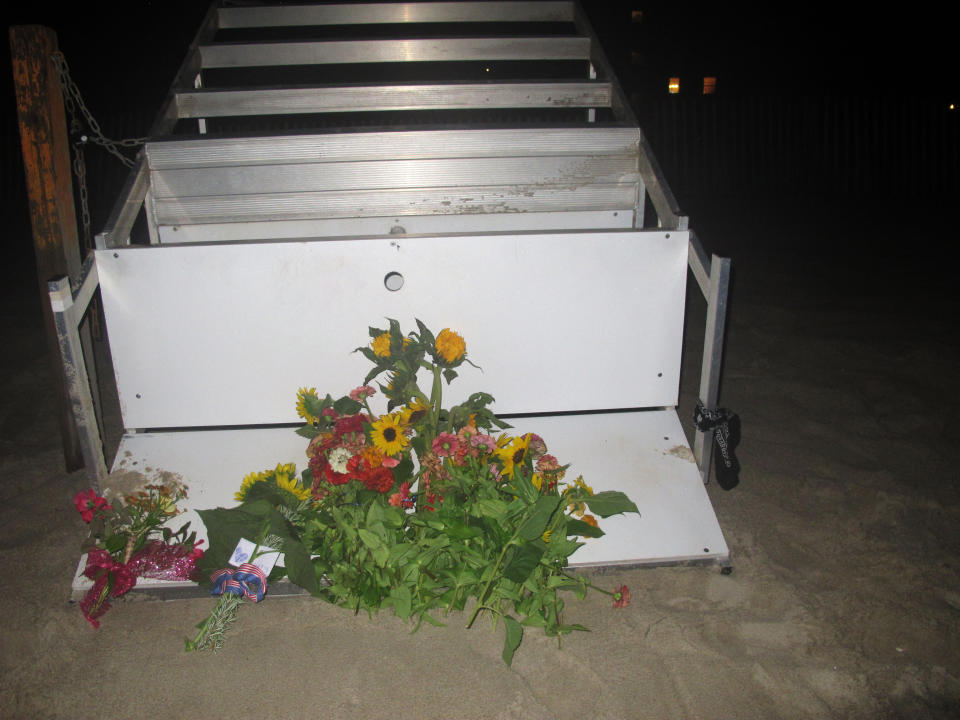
(46,160)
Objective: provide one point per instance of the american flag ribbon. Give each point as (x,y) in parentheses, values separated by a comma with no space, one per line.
(247,580)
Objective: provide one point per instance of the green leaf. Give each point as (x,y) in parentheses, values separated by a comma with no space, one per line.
(491,508)
(449,375)
(579,527)
(401,600)
(459,531)
(347,406)
(610,502)
(426,337)
(536,523)
(514,635)
(380,555)
(369,539)
(524,560)
(307,431)
(300,569)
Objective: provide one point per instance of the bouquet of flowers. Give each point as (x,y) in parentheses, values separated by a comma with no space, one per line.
(421,509)
(128,540)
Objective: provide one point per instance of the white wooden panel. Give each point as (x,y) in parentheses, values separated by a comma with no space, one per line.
(644,454)
(224,334)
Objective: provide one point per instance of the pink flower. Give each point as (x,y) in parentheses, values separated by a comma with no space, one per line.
(485,441)
(390,462)
(536,446)
(402,498)
(362,393)
(621,598)
(547,463)
(88,504)
(445,445)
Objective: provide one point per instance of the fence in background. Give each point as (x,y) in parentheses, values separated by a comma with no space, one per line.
(853,146)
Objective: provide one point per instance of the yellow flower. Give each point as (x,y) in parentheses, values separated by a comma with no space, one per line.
(248,482)
(546,535)
(381,345)
(285,477)
(576,507)
(590,520)
(512,453)
(581,484)
(302,395)
(387,435)
(413,412)
(450,345)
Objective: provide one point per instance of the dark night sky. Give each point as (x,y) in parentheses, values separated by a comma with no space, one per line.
(133,48)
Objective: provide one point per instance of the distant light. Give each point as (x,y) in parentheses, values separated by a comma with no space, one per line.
(952,107)
(636,16)
(709,85)
(486,69)
(674,85)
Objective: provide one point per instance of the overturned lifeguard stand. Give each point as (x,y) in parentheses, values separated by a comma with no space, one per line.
(319,168)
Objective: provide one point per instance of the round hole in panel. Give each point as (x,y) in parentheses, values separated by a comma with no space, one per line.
(393,281)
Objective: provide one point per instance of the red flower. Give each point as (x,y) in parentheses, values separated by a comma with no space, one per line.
(621,598)
(379,479)
(88,504)
(348,424)
(333,477)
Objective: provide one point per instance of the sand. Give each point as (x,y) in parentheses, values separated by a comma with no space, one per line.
(844,600)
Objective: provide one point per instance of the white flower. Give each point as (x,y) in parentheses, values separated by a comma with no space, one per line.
(338,459)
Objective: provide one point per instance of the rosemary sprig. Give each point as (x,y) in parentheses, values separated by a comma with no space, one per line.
(214,628)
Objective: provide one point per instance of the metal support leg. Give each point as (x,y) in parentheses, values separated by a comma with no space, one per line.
(68,310)
(714,286)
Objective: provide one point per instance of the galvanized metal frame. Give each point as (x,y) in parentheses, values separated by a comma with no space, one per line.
(143,191)
(69,307)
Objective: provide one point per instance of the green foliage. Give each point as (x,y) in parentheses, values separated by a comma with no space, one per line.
(470,520)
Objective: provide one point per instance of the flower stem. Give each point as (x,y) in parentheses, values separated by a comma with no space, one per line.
(481,598)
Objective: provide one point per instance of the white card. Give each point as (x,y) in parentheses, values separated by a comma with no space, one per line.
(265,560)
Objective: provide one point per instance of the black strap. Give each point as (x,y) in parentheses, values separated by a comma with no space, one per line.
(725,425)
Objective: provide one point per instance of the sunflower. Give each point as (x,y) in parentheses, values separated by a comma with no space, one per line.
(387,434)
(381,345)
(302,396)
(248,482)
(512,453)
(414,411)
(450,346)
(285,476)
